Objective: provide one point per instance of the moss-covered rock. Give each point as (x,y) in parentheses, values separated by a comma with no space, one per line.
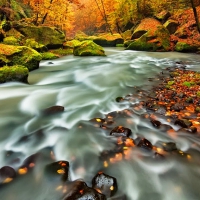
(171,26)
(150,35)
(14,73)
(11,40)
(14,33)
(51,37)
(35,45)
(142,44)
(19,55)
(185,47)
(62,52)
(49,56)
(88,48)
(162,16)
(69,45)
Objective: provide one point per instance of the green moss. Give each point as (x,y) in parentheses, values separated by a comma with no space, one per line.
(184,47)
(35,45)
(11,40)
(49,56)
(198,94)
(13,73)
(88,48)
(170,83)
(20,55)
(62,52)
(197,109)
(142,44)
(186,83)
(119,45)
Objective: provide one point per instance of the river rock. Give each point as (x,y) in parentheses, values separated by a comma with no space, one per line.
(88,48)
(146,144)
(121,131)
(78,190)
(104,183)
(53,110)
(58,170)
(51,37)
(150,35)
(184,123)
(19,55)
(186,47)
(14,73)
(169,146)
(163,15)
(7,174)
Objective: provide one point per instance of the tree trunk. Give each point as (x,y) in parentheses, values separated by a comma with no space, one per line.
(195,15)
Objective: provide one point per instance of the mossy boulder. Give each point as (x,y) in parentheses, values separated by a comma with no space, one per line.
(11,40)
(69,45)
(35,45)
(14,33)
(171,26)
(19,55)
(14,73)
(51,37)
(104,39)
(150,35)
(88,48)
(49,56)
(108,40)
(185,47)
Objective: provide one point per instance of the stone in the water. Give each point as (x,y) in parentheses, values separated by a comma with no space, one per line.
(7,174)
(119,99)
(144,143)
(30,161)
(121,131)
(158,156)
(169,146)
(53,110)
(104,183)
(59,169)
(177,107)
(78,190)
(184,123)
(155,123)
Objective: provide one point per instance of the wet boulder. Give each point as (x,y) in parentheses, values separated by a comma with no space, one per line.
(169,146)
(184,123)
(104,183)
(69,45)
(121,131)
(17,73)
(78,190)
(19,55)
(57,170)
(145,144)
(53,110)
(7,174)
(150,35)
(88,48)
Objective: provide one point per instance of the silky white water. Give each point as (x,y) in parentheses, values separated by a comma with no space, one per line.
(87,88)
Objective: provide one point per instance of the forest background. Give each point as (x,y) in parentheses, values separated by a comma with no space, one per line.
(92,16)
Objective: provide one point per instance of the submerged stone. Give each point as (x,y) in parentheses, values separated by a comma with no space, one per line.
(104,183)
(169,146)
(121,131)
(144,143)
(88,48)
(7,174)
(184,123)
(53,110)
(58,170)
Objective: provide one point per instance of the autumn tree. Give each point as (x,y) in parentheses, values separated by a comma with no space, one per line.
(53,12)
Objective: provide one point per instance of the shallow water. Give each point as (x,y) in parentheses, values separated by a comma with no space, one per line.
(87,88)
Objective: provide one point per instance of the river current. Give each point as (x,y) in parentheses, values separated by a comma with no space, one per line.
(87,88)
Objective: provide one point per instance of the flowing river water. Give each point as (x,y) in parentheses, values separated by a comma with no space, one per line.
(87,88)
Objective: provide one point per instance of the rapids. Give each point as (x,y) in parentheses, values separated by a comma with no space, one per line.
(87,88)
